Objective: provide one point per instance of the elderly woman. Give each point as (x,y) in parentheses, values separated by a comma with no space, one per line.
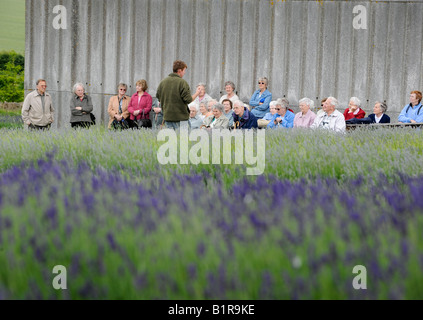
(243,118)
(228,111)
(140,104)
(202,96)
(262,123)
(118,108)
(284,118)
(354,110)
(195,121)
(305,117)
(378,115)
(230,92)
(412,112)
(261,99)
(204,111)
(218,119)
(81,107)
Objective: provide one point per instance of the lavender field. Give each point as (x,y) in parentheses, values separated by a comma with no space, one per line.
(126,227)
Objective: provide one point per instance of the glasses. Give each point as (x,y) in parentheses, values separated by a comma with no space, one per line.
(261,83)
(121,89)
(277,109)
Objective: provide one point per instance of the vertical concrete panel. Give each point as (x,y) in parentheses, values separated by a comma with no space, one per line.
(413,48)
(263,41)
(379,48)
(310,50)
(248,80)
(140,45)
(279,71)
(156,46)
(345,52)
(200,44)
(231,37)
(329,47)
(186,36)
(295,44)
(170,32)
(215,52)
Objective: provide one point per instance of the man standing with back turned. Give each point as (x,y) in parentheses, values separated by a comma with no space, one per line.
(174,95)
(37,109)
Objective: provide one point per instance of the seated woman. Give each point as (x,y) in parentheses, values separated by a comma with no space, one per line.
(306,117)
(203,96)
(228,111)
(243,118)
(230,92)
(261,99)
(262,123)
(81,107)
(194,119)
(283,118)
(140,104)
(118,108)
(218,120)
(354,110)
(204,111)
(378,115)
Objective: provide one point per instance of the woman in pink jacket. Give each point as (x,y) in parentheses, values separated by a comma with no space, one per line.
(140,104)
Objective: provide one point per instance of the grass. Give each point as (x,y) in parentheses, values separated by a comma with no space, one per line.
(12,26)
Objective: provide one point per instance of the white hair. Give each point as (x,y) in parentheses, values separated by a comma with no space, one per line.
(333,101)
(239,103)
(356,101)
(76,85)
(272,104)
(307,102)
(283,102)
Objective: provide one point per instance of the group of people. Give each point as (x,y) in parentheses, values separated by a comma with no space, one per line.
(175,107)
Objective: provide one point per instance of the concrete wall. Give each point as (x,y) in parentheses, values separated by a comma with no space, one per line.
(305,48)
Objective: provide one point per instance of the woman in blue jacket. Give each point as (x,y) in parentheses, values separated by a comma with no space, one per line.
(283,118)
(261,99)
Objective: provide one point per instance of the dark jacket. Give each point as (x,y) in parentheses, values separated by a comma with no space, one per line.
(385,118)
(174,95)
(247,121)
(84,114)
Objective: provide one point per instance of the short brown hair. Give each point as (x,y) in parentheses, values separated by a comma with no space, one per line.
(179,65)
(230,102)
(143,84)
(42,80)
(418,95)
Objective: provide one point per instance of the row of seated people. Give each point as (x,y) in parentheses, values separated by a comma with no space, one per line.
(260,112)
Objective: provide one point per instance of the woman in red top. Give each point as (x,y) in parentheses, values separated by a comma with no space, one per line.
(140,103)
(354,110)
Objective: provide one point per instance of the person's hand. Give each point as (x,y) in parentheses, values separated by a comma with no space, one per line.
(278,120)
(157,110)
(136,113)
(413,121)
(28,123)
(78,108)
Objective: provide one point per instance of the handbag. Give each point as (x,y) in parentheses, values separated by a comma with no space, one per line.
(143,123)
(262,123)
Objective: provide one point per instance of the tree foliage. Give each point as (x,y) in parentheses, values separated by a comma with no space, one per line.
(11,77)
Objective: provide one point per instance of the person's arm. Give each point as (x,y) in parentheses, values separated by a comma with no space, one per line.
(403,116)
(265,105)
(89,107)
(148,104)
(25,111)
(74,111)
(253,101)
(340,125)
(288,120)
(51,111)
(110,109)
(360,114)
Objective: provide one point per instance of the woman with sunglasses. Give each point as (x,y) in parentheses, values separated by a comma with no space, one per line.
(284,118)
(261,99)
(118,108)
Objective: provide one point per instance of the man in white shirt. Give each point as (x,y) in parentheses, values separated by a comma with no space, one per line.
(330,118)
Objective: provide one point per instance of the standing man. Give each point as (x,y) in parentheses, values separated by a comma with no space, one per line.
(174,95)
(330,118)
(37,109)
